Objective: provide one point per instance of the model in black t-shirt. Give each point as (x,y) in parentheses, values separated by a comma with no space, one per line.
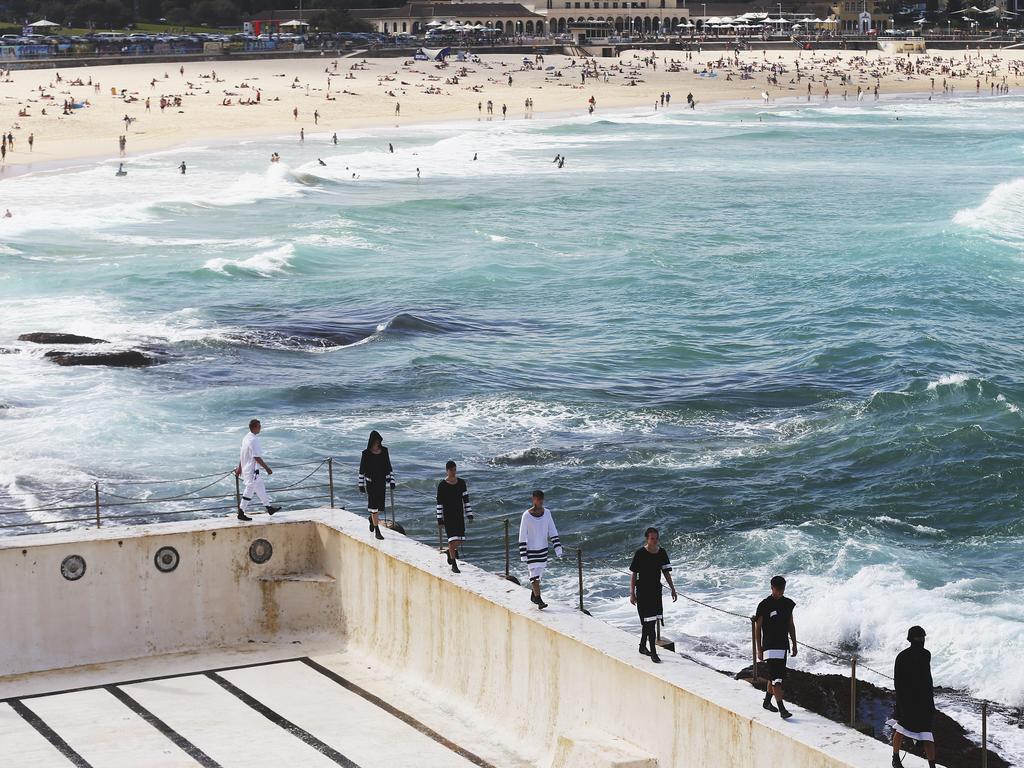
(649,563)
(452,510)
(775,638)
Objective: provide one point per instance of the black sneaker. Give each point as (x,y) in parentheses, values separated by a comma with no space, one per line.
(655,658)
(784,713)
(272,510)
(455,567)
(371,524)
(644,651)
(767,704)
(896,762)
(541,604)
(377,533)
(244,517)
(533,598)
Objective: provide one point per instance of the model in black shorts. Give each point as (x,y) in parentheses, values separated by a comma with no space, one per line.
(452,510)
(649,563)
(775,639)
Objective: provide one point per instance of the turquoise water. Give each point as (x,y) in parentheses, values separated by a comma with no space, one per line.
(787,337)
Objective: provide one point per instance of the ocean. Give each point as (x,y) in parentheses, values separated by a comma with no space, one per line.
(784,335)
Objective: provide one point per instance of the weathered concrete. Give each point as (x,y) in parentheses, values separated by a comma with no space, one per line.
(563,687)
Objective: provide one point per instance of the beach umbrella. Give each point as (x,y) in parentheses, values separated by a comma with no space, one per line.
(434,23)
(294,23)
(43,24)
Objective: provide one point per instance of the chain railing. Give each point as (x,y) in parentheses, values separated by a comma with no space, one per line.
(110,502)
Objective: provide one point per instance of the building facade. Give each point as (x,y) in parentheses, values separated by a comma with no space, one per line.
(860,16)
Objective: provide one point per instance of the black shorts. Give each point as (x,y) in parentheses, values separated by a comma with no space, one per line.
(455,525)
(776,670)
(648,605)
(375,497)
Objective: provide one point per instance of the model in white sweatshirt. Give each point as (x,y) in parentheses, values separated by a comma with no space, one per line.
(536,530)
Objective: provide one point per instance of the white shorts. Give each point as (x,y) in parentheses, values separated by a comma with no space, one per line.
(922,736)
(536,569)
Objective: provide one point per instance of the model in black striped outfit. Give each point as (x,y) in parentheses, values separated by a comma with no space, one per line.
(453,508)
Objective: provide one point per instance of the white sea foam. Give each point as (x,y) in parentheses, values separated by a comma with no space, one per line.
(102,318)
(265,264)
(1007,404)
(949,380)
(1000,215)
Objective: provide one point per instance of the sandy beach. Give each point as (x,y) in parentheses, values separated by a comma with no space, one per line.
(160,106)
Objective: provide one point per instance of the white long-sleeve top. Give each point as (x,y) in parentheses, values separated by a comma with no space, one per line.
(534,535)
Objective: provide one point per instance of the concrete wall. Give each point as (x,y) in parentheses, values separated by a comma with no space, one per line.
(123,607)
(571,689)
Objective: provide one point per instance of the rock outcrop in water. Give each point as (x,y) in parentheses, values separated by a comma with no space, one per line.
(59,338)
(829,696)
(130,358)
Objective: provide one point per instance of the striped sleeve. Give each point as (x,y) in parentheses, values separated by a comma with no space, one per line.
(556,541)
(666,564)
(522,537)
(390,479)
(440,504)
(362,471)
(465,501)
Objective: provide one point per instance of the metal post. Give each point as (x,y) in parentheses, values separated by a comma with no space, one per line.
(753,646)
(853,691)
(506,548)
(984,734)
(238,494)
(96,490)
(579,570)
(330,477)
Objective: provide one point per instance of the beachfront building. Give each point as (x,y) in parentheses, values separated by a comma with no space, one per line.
(647,17)
(533,17)
(417,18)
(861,16)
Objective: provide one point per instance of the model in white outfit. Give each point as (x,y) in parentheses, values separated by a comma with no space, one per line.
(535,531)
(251,468)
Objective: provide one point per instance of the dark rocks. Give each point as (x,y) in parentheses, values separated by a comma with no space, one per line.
(59,338)
(130,358)
(829,696)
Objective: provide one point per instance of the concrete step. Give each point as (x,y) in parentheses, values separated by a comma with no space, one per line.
(590,749)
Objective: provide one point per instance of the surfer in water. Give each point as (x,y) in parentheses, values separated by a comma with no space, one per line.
(375,474)
(182,167)
(650,562)
(120,170)
(915,699)
(321,161)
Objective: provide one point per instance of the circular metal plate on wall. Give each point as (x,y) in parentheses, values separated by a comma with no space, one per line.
(72,567)
(260,551)
(166,559)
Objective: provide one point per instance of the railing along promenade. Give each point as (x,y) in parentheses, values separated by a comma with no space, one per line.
(115,502)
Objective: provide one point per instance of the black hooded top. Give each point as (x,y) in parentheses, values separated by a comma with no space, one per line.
(375,467)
